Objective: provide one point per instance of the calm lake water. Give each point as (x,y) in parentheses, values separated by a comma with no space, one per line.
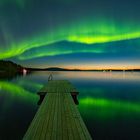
(109,103)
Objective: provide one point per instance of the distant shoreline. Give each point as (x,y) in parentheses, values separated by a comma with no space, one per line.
(13,68)
(63,69)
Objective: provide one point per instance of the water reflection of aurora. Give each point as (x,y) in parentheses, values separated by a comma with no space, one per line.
(17,91)
(107,107)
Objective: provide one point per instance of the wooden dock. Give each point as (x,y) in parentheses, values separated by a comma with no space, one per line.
(58,117)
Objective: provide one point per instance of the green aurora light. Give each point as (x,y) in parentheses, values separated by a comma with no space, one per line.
(31,30)
(107,108)
(18,91)
(86,36)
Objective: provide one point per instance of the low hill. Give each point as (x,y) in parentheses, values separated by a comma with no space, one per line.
(9,67)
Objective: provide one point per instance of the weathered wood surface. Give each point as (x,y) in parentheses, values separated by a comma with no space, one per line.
(58,117)
(55,85)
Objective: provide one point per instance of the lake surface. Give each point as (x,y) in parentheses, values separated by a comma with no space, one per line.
(109,103)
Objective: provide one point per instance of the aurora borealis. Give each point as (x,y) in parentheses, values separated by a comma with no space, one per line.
(71,33)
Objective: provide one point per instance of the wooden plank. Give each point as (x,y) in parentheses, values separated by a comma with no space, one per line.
(58,117)
(47,119)
(49,129)
(58,122)
(71,120)
(78,119)
(49,87)
(54,122)
(63,119)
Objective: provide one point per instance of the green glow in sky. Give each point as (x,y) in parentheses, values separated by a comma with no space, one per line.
(83,34)
(52,50)
(20,3)
(31,30)
(103,39)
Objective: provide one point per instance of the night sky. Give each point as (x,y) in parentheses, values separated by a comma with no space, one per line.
(71,33)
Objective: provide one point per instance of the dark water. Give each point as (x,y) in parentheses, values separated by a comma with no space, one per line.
(109,103)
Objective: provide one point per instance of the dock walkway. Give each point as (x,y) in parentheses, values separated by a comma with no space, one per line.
(57,117)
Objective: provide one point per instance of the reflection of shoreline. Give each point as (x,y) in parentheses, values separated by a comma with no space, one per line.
(6,75)
(10,75)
